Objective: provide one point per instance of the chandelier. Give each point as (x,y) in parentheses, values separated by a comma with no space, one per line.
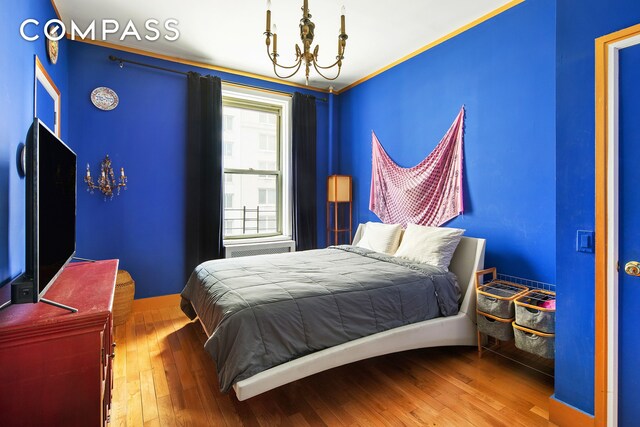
(305,54)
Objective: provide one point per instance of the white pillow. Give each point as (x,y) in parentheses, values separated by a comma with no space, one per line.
(381,237)
(429,245)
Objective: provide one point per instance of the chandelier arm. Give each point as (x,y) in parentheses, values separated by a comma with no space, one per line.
(290,75)
(275,62)
(297,64)
(315,64)
(340,58)
(325,77)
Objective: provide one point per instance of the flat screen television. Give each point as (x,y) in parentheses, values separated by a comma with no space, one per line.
(50,169)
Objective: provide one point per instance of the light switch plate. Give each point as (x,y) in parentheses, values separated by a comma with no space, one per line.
(585,241)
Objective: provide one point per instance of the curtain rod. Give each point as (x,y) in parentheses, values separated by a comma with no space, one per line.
(170,70)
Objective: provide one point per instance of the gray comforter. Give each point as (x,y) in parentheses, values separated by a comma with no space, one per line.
(266,310)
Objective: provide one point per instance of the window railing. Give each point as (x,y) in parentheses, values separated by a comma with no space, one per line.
(250,218)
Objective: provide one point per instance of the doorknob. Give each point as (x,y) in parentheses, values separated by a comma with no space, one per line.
(632,268)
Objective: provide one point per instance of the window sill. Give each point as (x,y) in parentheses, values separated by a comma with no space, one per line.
(250,241)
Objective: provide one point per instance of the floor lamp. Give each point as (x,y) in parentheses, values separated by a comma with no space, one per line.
(339,197)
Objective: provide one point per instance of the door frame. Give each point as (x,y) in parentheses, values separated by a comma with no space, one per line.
(43,78)
(607,50)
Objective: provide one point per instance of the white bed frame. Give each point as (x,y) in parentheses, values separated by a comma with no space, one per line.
(442,331)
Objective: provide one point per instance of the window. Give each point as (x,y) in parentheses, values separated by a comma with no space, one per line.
(266,165)
(266,196)
(228,148)
(256,165)
(228,200)
(267,222)
(228,122)
(267,119)
(267,142)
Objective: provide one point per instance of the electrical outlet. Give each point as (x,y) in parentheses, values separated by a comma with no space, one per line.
(585,241)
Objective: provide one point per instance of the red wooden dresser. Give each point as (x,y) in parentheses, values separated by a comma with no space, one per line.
(55,366)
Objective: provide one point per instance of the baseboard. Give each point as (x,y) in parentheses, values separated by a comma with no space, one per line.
(565,415)
(154,303)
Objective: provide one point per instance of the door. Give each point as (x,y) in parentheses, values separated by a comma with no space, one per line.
(629,237)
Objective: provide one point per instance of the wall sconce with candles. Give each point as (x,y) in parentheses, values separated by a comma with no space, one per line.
(107,182)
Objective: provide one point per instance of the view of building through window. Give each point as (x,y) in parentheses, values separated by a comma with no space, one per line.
(252,183)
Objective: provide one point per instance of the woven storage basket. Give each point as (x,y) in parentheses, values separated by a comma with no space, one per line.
(497,298)
(535,342)
(123,298)
(495,326)
(531,315)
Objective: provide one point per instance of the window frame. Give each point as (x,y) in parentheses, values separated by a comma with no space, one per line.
(280,105)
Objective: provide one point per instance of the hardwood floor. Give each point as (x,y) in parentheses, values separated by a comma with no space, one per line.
(163,376)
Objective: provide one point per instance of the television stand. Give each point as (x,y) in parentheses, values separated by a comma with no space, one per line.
(46,301)
(56,369)
(57,304)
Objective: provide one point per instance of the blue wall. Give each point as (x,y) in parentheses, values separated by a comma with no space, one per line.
(579,22)
(504,72)
(146,134)
(16,115)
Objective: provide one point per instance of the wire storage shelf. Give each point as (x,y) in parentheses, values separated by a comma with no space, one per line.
(502,288)
(534,304)
(531,284)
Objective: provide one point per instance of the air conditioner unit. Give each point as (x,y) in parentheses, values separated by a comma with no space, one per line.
(250,249)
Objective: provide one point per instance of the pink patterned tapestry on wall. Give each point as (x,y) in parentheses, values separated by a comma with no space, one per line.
(429,193)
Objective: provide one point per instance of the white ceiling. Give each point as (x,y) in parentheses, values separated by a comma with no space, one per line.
(230,33)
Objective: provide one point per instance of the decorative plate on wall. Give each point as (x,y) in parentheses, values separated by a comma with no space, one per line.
(53,47)
(104,98)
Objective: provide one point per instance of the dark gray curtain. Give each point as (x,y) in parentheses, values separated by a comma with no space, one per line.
(305,210)
(204,185)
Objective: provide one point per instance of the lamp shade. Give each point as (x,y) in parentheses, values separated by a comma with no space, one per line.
(339,188)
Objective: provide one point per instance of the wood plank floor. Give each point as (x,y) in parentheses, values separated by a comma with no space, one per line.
(163,376)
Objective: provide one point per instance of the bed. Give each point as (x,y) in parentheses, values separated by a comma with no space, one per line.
(289,335)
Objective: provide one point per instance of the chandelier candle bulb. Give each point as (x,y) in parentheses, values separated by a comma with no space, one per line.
(88,171)
(268,16)
(268,20)
(275,40)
